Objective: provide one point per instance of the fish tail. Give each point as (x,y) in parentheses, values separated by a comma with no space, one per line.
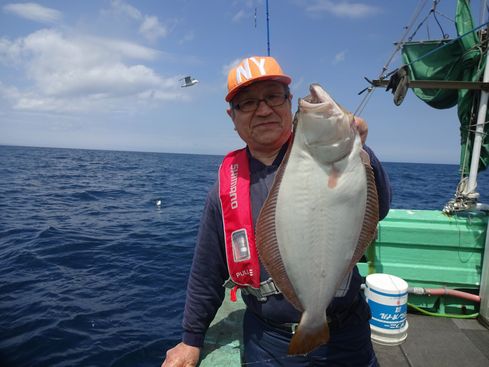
(305,339)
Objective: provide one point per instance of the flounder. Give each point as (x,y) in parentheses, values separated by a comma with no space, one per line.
(320,215)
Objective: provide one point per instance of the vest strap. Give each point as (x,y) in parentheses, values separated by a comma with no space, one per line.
(267,288)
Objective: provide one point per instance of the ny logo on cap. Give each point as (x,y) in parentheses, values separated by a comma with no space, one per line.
(244,69)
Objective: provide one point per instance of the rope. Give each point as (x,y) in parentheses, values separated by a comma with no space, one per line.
(483,133)
(437,21)
(433,12)
(453,316)
(417,12)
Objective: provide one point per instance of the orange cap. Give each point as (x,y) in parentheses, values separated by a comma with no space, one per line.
(253,69)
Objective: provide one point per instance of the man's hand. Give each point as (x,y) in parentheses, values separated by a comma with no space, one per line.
(362,128)
(182,355)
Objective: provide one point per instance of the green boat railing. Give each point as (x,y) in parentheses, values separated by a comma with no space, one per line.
(429,249)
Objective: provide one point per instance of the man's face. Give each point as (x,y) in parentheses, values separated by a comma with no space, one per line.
(266,128)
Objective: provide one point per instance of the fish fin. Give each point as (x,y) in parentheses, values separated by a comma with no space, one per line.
(365,157)
(371,218)
(267,243)
(306,340)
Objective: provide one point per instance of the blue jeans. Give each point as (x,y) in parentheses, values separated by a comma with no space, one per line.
(349,344)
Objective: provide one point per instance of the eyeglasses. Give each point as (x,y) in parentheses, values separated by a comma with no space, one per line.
(251,104)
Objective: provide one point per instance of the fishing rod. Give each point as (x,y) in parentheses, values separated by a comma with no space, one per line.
(268,30)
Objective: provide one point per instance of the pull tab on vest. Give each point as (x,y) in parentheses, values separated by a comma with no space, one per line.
(234,194)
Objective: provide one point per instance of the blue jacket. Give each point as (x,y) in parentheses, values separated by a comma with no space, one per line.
(205,291)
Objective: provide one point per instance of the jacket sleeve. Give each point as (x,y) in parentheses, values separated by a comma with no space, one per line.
(205,291)
(382,182)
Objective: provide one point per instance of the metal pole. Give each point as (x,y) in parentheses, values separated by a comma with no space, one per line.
(268,31)
(479,133)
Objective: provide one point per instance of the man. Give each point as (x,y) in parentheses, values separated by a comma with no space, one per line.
(260,108)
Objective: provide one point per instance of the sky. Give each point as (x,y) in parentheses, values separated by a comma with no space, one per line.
(105,74)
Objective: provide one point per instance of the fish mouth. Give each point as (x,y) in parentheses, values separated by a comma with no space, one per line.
(327,124)
(316,96)
(320,102)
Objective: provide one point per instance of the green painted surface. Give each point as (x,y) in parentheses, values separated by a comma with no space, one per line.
(223,340)
(431,250)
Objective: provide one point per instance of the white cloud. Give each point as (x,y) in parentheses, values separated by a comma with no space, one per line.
(226,68)
(240,15)
(124,48)
(152,29)
(99,73)
(297,84)
(124,8)
(150,26)
(339,57)
(189,36)
(343,9)
(248,9)
(9,51)
(33,11)
(8,92)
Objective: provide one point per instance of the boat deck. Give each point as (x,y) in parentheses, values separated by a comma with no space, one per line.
(437,341)
(431,342)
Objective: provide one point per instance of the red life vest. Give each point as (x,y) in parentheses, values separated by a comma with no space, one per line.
(239,235)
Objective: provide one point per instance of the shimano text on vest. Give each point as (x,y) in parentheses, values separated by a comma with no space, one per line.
(232,190)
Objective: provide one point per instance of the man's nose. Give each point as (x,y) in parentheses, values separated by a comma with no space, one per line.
(263,108)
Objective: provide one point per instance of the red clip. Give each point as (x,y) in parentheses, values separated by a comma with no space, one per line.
(233,296)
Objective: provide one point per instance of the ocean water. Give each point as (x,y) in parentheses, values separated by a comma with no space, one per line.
(93,272)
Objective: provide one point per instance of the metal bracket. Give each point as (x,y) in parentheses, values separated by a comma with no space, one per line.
(437,84)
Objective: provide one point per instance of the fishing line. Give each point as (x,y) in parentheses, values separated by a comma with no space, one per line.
(432,11)
(445,16)
(401,42)
(417,12)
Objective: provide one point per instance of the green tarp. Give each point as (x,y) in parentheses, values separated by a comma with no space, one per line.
(457,60)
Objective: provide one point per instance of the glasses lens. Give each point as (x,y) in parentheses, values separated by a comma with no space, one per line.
(273,100)
(248,105)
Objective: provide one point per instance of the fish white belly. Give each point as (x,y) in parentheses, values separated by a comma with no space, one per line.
(318,227)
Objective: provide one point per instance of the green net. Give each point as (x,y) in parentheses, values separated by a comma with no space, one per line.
(461,59)
(442,64)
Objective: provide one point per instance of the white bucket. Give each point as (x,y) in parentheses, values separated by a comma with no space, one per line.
(387,297)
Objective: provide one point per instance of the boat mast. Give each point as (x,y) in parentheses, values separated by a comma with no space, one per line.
(479,130)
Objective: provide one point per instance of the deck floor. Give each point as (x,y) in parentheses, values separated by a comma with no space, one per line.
(431,342)
(436,341)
